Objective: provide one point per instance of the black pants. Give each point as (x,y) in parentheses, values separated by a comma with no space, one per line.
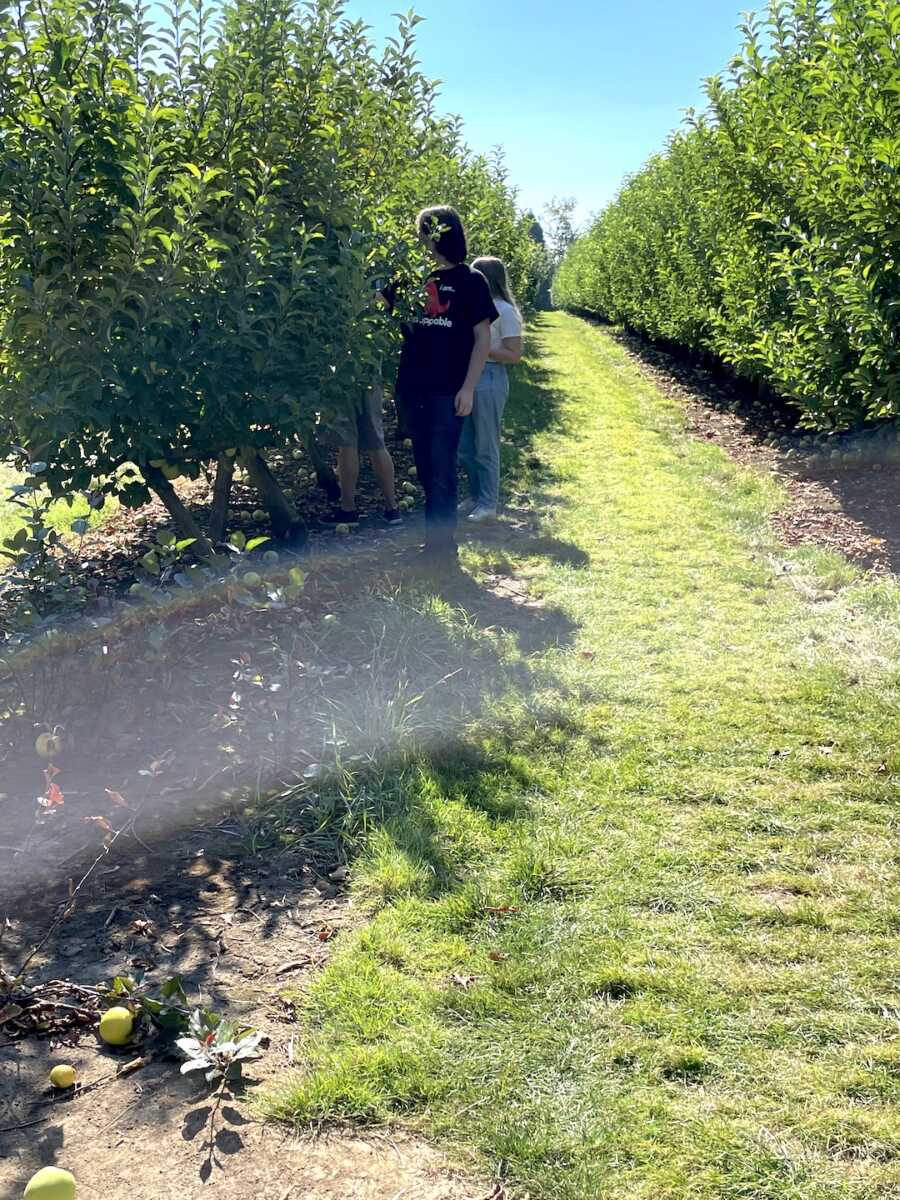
(436,430)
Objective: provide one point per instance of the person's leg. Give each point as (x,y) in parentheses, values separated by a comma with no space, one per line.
(404,418)
(490,400)
(467,453)
(383,466)
(345,434)
(348,474)
(444,429)
(371,438)
(416,410)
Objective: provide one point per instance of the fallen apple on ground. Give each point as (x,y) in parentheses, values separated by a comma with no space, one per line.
(51,1183)
(48,745)
(116,1026)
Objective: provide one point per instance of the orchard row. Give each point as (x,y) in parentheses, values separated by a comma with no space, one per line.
(194,219)
(768,233)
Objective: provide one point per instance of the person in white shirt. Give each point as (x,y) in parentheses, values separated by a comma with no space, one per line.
(479,447)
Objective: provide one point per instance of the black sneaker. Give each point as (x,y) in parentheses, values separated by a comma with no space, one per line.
(340,516)
(393,516)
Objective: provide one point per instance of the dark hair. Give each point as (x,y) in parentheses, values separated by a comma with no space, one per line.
(443,227)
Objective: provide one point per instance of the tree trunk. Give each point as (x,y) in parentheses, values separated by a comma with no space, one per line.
(285,523)
(185,524)
(325,476)
(218,516)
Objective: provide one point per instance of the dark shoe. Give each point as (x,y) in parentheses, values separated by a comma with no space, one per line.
(393,516)
(340,516)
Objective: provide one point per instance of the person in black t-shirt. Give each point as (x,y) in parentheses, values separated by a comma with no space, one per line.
(445,347)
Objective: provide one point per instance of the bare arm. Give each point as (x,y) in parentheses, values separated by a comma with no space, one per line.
(465,397)
(509,352)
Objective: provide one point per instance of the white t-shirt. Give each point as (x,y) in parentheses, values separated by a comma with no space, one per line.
(508,324)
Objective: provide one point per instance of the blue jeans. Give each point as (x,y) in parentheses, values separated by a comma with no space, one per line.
(435,430)
(479,448)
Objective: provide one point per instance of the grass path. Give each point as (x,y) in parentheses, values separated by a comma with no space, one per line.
(690,810)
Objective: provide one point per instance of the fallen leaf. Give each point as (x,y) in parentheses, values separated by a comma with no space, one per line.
(498,956)
(143,928)
(326,933)
(463,981)
(503,910)
(54,796)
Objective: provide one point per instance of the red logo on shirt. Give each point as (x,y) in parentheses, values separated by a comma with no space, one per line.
(433,306)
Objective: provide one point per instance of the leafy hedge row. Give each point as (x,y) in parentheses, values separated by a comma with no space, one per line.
(192,220)
(768,233)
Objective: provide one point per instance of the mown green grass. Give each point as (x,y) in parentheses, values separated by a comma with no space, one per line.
(691,806)
(60,517)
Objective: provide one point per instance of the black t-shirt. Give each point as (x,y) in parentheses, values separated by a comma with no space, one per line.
(437,344)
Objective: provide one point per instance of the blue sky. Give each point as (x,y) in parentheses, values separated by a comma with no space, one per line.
(579,92)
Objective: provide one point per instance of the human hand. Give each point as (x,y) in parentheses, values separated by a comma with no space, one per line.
(465,402)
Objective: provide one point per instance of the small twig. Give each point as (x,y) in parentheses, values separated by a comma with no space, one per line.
(73,987)
(136,1064)
(118,1117)
(76,1093)
(24,1125)
(211,1153)
(68,907)
(294,965)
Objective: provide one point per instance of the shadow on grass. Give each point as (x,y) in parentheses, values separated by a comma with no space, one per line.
(261,748)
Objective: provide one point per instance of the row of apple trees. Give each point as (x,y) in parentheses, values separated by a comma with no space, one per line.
(768,233)
(193,219)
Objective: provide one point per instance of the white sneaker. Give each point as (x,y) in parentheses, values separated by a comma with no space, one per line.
(465,507)
(482,513)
